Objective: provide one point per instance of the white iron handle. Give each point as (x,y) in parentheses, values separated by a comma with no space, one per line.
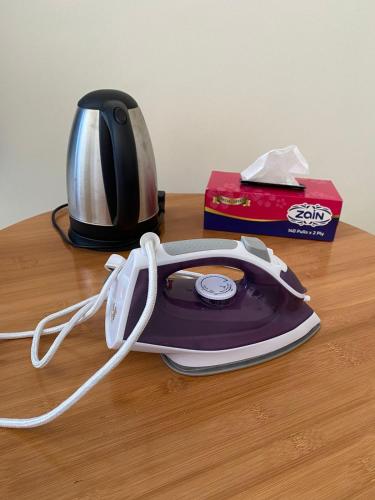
(198,245)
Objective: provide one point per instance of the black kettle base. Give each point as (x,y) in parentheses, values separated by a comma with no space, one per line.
(107,238)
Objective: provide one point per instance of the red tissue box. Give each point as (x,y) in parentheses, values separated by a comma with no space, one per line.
(311,214)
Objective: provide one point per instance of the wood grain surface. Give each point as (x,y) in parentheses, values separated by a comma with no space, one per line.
(300,426)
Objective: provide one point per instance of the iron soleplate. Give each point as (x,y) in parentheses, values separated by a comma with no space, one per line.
(236,365)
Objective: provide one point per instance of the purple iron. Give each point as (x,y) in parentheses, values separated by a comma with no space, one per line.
(210,323)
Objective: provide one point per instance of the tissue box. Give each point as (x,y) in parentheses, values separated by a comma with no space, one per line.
(311,214)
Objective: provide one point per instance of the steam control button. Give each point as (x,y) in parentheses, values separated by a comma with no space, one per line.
(120,116)
(256,247)
(215,287)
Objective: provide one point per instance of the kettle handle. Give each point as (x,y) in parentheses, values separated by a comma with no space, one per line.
(116,117)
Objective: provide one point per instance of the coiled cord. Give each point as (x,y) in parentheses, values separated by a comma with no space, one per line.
(85,310)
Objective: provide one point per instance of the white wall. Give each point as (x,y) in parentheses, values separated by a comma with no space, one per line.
(219,83)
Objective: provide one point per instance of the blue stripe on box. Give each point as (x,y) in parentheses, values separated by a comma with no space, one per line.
(271,228)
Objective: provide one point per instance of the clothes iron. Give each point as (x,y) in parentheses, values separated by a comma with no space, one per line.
(200,323)
(211,323)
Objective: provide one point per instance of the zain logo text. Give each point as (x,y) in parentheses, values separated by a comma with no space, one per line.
(309,215)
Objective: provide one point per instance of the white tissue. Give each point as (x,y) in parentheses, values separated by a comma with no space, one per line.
(278,166)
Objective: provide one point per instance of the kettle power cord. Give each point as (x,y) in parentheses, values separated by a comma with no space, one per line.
(85,309)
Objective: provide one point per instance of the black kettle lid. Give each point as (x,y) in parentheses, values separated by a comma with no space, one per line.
(97,98)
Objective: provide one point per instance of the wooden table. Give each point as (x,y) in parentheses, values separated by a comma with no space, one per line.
(300,426)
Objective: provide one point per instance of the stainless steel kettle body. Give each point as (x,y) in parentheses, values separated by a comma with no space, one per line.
(111,174)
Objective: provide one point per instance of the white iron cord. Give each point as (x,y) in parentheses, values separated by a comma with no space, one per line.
(84,310)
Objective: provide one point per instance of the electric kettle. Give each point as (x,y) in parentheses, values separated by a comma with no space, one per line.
(111,175)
